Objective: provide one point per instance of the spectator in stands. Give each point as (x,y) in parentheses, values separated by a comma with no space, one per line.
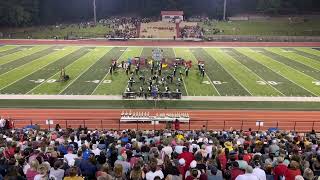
(164,154)
(33,170)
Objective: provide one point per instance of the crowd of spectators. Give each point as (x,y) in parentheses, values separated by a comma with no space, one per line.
(124,27)
(191,32)
(77,154)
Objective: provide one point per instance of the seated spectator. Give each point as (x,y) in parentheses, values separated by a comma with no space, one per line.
(43,171)
(33,170)
(73,174)
(56,171)
(293,171)
(119,173)
(154,172)
(248,175)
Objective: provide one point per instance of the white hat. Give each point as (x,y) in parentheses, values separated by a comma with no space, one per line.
(210,142)
(193,164)
(182,161)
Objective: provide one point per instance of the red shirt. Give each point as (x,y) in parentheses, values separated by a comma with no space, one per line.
(183,170)
(247,157)
(279,170)
(223,161)
(291,174)
(187,156)
(235,172)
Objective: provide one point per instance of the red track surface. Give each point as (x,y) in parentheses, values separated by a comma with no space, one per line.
(107,119)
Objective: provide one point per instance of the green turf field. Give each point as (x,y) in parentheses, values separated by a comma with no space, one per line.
(229,71)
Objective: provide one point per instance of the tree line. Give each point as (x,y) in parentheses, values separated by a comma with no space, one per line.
(34,12)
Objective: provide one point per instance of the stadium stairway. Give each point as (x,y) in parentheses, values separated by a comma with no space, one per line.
(212,120)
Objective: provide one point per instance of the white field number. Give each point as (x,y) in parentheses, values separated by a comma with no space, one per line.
(98,81)
(274,83)
(38,81)
(317,83)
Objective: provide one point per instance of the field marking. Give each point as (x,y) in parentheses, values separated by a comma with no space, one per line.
(37,69)
(208,77)
(83,72)
(22,55)
(303,60)
(254,73)
(281,74)
(123,52)
(290,66)
(55,74)
(27,62)
(229,73)
(184,84)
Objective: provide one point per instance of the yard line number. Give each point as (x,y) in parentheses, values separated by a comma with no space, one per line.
(317,83)
(273,83)
(39,81)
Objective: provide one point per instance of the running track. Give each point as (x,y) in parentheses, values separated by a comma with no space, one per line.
(213,120)
(302,121)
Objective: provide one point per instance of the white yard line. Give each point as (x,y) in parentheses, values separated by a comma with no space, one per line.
(230,74)
(82,73)
(184,84)
(123,52)
(33,71)
(255,74)
(55,74)
(208,77)
(282,75)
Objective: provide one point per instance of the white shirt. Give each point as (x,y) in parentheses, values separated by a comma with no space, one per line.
(167,151)
(259,173)
(96,151)
(247,177)
(151,175)
(39,177)
(178,149)
(69,157)
(209,150)
(2,122)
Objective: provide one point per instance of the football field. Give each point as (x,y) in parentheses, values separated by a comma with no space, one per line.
(240,71)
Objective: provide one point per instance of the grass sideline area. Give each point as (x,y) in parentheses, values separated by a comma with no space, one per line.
(273,27)
(159,104)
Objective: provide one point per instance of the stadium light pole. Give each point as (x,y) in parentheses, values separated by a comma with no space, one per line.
(224,9)
(94,12)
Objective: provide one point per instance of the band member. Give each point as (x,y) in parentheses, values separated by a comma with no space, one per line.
(159,71)
(187,72)
(110,70)
(62,74)
(202,72)
(137,70)
(114,65)
(141,91)
(151,70)
(127,71)
(174,72)
(122,64)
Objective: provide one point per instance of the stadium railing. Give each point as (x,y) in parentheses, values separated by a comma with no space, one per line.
(104,124)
